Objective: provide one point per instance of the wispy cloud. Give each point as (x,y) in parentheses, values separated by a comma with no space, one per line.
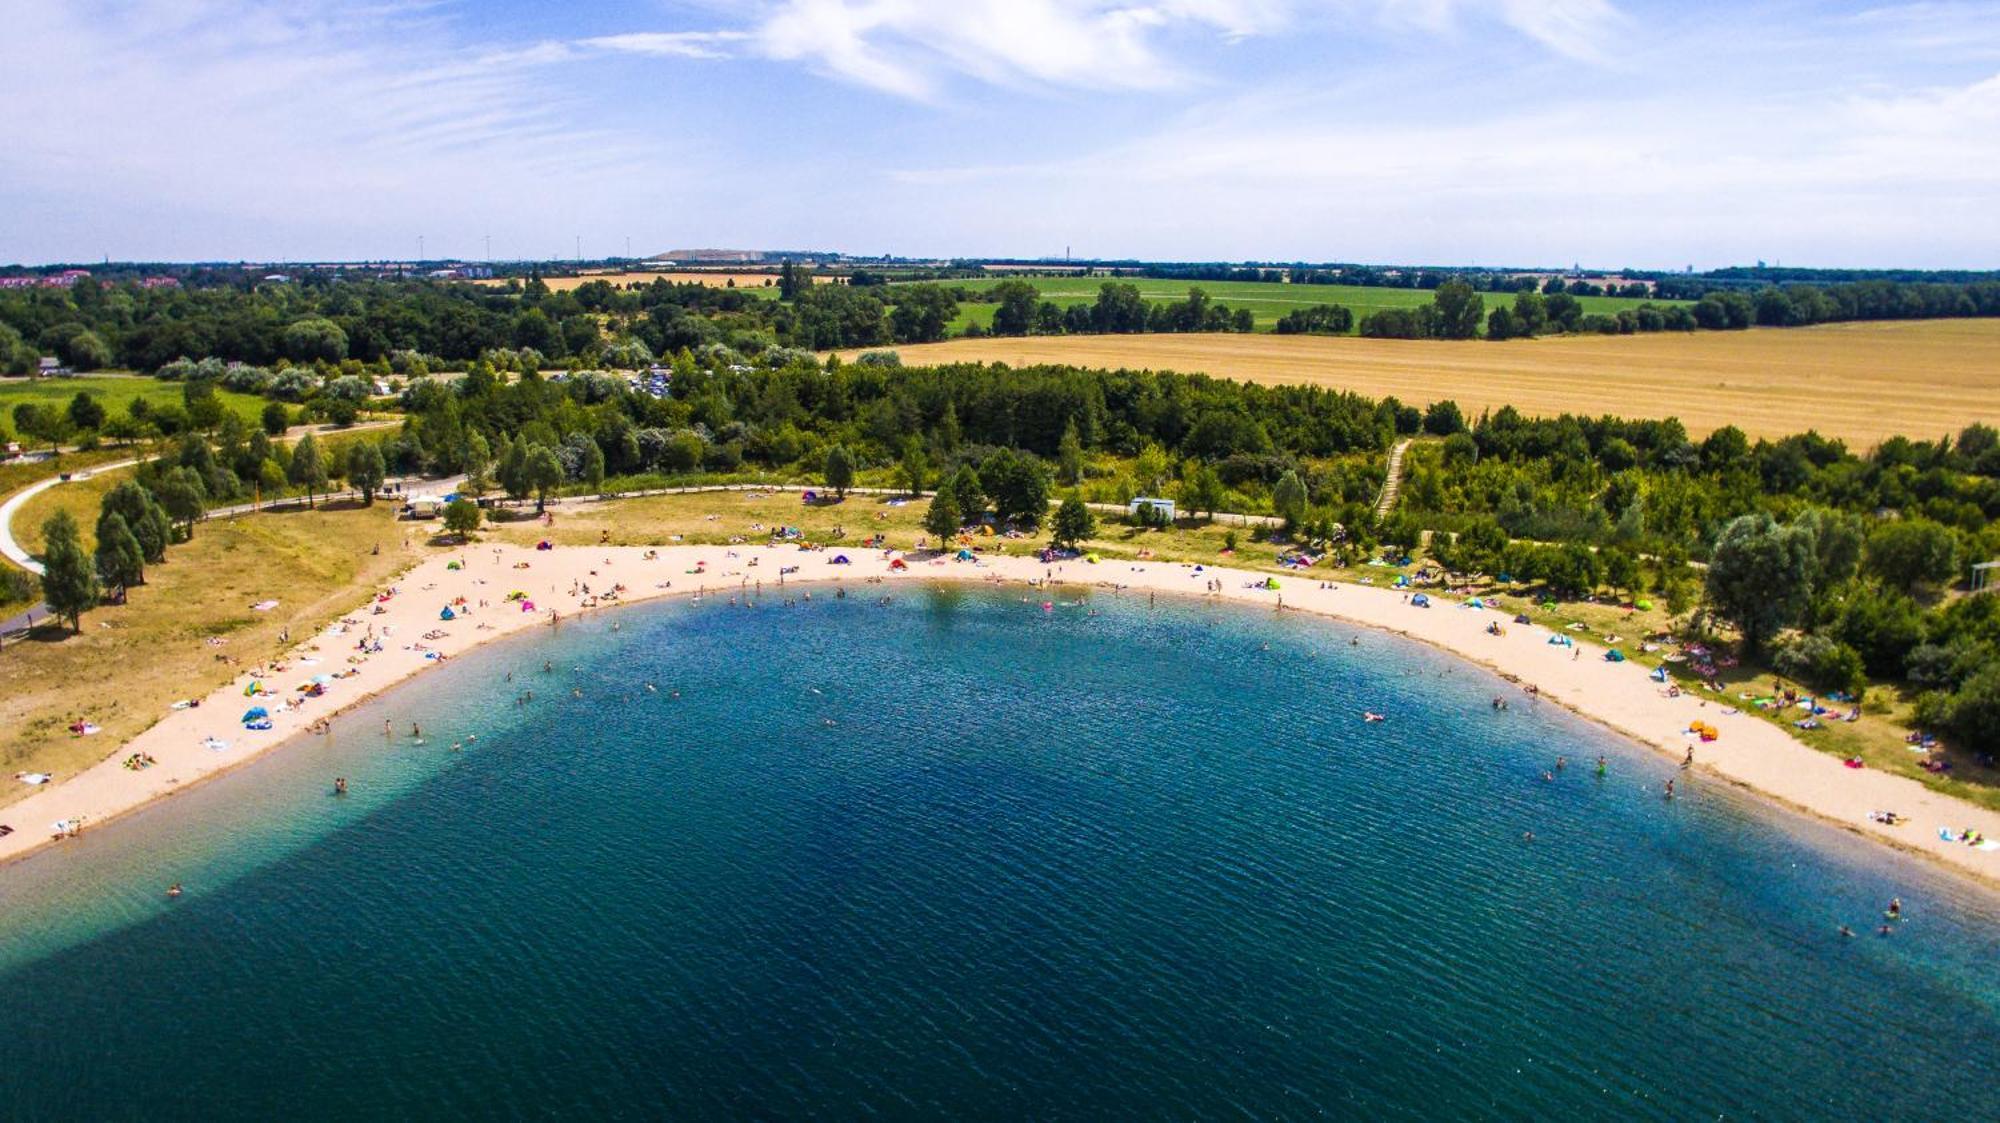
(914,48)
(248,117)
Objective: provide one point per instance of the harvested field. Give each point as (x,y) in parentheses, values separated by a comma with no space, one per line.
(1858,382)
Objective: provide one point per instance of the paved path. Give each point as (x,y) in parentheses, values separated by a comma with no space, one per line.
(12,549)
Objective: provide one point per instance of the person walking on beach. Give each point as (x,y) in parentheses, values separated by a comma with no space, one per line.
(1688,761)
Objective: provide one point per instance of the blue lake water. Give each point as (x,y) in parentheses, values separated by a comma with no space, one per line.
(955,856)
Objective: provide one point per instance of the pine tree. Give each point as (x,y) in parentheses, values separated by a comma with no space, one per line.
(943,519)
(1074,523)
(1069,456)
(839,470)
(120,560)
(69,582)
(308,470)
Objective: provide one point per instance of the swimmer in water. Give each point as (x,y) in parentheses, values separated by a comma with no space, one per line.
(174,890)
(1548,777)
(1670,789)
(1527,836)
(1600,765)
(1895,908)
(414,731)
(1562,762)
(1846,931)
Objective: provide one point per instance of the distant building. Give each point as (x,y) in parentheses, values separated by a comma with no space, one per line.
(65,279)
(1161,507)
(51,367)
(159,282)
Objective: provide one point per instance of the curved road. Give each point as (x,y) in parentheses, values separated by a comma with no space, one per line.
(11,549)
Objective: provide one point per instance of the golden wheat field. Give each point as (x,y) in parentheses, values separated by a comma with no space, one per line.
(1859,382)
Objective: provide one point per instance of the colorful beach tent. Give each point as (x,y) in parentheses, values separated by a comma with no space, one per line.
(965,555)
(447,614)
(841,559)
(1614,656)
(255,713)
(1421,600)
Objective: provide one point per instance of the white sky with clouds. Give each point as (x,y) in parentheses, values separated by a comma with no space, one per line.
(1526,132)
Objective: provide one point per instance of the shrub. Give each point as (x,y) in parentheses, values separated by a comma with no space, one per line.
(1824,663)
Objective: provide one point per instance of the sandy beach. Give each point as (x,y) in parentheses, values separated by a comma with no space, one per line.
(404,623)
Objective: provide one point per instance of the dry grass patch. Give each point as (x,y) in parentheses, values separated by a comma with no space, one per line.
(1858,382)
(130,662)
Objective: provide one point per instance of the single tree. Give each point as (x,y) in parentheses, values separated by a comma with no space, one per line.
(839,470)
(308,469)
(541,473)
(943,519)
(1760,576)
(1015,307)
(1069,456)
(69,579)
(915,465)
(366,470)
(592,467)
(1913,553)
(120,559)
(1074,522)
(275,419)
(183,496)
(1019,486)
(86,412)
(1459,311)
(968,493)
(461,518)
(1289,498)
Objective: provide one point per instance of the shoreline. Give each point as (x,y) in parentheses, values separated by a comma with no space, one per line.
(1620,697)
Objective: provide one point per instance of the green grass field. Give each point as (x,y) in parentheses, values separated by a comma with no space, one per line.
(115,392)
(1266,300)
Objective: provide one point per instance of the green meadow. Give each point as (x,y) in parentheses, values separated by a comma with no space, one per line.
(115,392)
(1266,300)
